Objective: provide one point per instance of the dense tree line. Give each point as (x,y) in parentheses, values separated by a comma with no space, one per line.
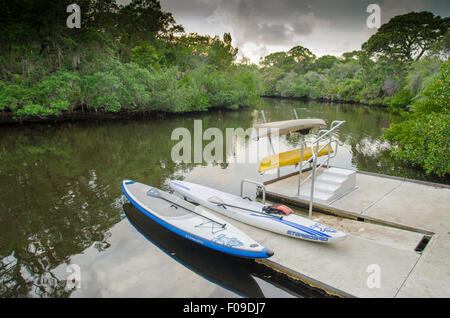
(390,69)
(123,58)
(135,58)
(404,66)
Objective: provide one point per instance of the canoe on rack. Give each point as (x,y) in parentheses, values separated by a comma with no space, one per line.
(289,158)
(285,127)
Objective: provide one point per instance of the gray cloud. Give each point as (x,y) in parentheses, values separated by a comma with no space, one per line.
(275,34)
(263,26)
(266,22)
(391,8)
(197,9)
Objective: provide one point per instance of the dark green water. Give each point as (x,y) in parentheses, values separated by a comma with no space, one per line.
(61,202)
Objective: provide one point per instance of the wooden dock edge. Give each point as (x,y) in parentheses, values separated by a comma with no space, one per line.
(433,184)
(320,208)
(311,282)
(428,183)
(325,209)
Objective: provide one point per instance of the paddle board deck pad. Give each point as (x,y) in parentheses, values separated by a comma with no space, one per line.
(288,158)
(288,126)
(192,222)
(252,213)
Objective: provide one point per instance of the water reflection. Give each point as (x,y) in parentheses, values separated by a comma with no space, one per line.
(227,271)
(361,146)
(241,276)
(60,190)
(59,193)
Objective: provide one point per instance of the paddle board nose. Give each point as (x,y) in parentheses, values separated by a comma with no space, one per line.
(339,236)
(268,252)
(343,235)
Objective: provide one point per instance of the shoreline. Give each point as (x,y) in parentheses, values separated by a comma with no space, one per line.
(7,118)
(325,100)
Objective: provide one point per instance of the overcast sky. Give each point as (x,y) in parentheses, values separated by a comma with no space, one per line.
(260,27)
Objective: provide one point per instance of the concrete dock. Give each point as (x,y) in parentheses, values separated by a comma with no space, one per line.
(398,241)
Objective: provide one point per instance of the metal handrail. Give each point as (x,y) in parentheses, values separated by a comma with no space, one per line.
(312,159)
(259,184)
(334,125)
(315,155)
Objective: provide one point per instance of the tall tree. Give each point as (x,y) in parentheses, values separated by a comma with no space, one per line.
(277,59)
(295,59)
(407,37)
(302,54)
(143,20)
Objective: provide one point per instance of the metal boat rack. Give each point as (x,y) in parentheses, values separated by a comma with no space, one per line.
(322,135)
(259,186)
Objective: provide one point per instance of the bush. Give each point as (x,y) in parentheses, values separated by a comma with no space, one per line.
(51,96)
(423,139)
(401,99)
(436,96)
(421,72)
(121,86)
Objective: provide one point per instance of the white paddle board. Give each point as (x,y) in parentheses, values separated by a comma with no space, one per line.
(251,212)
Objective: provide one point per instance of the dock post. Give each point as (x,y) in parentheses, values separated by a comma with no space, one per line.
(270,140)
(300,170)
(313,176)
(264,116)
(329,150)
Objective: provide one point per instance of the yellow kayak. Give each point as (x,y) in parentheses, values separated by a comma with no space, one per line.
(289,158)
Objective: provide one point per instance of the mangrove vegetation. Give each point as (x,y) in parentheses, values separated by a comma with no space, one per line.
(135,58)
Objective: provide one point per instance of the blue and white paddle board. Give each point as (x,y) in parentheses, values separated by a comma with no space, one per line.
(252,213)
(192,222)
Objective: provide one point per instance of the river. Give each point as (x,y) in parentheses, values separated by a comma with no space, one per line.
(62,211)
